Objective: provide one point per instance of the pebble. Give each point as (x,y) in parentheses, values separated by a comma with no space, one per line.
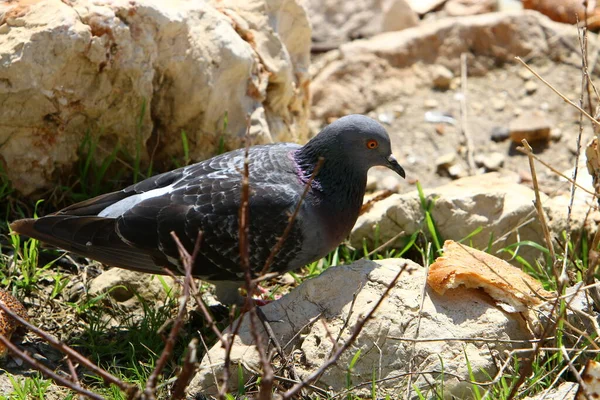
(490,161)
(525,74)
(446,160)
(531,125)
(287,279)
(441,77)
(431,103)
(500,134)
(457,171)
(556,134)
(498,104)
(530,87)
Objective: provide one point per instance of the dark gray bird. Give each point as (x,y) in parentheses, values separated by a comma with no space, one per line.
(131,228)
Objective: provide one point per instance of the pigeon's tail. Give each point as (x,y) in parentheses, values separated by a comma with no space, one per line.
(89,236)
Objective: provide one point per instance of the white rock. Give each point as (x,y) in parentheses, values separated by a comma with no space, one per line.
(496,203)
(338,21)
(424,6)
(564,391)
(328,299)
(125,286)
(364,74)
(69,67)
(490,161)
(441,77)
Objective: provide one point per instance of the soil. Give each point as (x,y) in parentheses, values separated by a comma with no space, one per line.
(493,101)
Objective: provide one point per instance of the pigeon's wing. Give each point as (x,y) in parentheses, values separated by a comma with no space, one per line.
(132,228)
(207,199)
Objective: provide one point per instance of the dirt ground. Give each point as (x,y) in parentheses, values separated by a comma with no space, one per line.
(493,102)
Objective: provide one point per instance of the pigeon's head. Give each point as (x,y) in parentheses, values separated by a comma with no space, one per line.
(362,140)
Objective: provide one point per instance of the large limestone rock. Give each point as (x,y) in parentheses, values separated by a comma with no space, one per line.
(496,203)
(139,73)
(328,300)
(364,74)
(339,21)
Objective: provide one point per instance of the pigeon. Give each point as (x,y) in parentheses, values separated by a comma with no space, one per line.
(323,181)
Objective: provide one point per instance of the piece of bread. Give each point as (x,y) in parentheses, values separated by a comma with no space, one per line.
(461,265)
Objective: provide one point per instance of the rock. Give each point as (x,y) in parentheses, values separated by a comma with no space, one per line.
(530,125)
(379,178)
(328,300)
(126,286)
(493,202)
(461,8)
(441,77)
(430,103)
(443,162)
(499,134)
(491,161)
(583,213)
(424,6)
(335,22)
(363,75)
(530,87)
(556,134)
(498,104)
(567,11)
(564,391)
(139,73)
(525,74)
(457,171)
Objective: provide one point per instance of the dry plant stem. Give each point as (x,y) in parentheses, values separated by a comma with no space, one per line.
(280,351)
(292,218)
(130,390)
(463,113)
(419,316)
(335,357)
(188,261)
(562,96)
(386,244)
(266,385)
(557,172)
(539,208)
(459,339)
(576,373)
(73,371)
(47,371)
(187,371)
(563,273)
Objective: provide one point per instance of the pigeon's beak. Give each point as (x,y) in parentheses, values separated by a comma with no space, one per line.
(394,166)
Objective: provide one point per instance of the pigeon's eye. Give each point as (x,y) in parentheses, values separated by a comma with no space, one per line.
(372,144)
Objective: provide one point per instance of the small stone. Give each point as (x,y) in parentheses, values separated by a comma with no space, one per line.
(525,74)
(527,103)
(498,104)
(430,103)
(500,134)
(457,171)
(530,87)
(490,161)
(287,279)
(440,129)
(531,125)
(441,77)
(445,161)
(556,134)
(387,117)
